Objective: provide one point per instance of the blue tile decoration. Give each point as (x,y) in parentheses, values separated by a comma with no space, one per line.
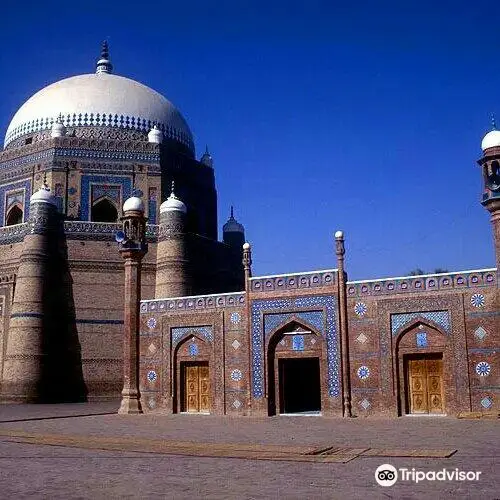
(477,300)
(235,318)
(441,318)
(360,309)
(100,120)
(325,304)
(152,376)
(193,349)
(179,333)
(236,375)
(111,191)
(151,323)
(313,318)
(14,198)
(486,402)
(483,369)
(16,187)
(103,154)
(28,159)
(298,342)
(152,205)
(421,339)
(13,234)
(480,333)
(365,404)
(363,372)
(90,182)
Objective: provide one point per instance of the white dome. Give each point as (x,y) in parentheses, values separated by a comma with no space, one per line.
(133,203)
(43,195)
(172,204)
(100,99)
(491,140)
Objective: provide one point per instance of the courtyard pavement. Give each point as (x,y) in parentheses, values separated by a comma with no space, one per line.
(88,451)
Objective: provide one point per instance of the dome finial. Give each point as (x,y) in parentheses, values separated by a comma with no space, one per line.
(206,159)
(172,193)
(104,64)
(493,121)
(232,212)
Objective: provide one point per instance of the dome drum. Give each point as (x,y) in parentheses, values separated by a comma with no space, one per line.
(99,120)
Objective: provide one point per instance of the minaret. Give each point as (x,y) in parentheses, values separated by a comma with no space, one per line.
(133,247)
(207,159)
(233,233)
(104,64)
(173,277)
(490,165)
(42,359)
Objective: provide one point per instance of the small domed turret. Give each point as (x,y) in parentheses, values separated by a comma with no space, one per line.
(172,204)
(43,195)
(134,203)
(233,233)
(207,159)
(58,129)
(492,138)
(155,135)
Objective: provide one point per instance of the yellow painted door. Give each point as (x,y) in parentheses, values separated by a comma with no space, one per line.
(425,381)
(435,385)
(192,392)
(204,388)
(418,386)
(197,388)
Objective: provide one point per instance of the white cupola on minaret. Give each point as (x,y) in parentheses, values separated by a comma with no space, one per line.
(492,138)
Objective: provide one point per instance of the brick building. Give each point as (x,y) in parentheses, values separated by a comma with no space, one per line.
(212,338)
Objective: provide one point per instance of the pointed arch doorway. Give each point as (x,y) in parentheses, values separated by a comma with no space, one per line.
(423,358)
(295,364)
(193,390)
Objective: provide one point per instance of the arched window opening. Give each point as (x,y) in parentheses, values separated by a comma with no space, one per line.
(14,216)
(104,211)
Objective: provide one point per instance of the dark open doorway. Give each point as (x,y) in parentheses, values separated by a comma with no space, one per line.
(299,385)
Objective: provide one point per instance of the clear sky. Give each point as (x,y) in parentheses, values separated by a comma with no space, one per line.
(320,115)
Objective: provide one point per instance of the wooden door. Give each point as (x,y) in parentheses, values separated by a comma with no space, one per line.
(196,387)
(425,384)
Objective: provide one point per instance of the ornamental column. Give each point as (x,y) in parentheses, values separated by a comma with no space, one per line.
(133,247)
(344,332)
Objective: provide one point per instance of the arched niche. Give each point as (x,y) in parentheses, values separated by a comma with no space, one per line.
(103,210)
(423,367)
(14,216)
(193,375)
(296,369)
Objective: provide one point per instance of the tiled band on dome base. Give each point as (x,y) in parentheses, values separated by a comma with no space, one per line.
(98,120)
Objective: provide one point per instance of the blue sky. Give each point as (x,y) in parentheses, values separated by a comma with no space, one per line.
(319,115)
